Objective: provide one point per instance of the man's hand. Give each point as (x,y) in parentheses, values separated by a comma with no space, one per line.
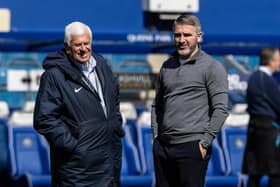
(203,151)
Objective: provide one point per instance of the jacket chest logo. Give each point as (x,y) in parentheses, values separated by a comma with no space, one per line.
(76,90)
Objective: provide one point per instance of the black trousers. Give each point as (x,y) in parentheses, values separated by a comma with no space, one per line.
(180,165)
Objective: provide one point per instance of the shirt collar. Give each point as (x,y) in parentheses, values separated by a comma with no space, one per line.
(91,65)
(193,59)
(265,70)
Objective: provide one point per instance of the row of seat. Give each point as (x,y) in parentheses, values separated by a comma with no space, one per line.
(29,158)
(29,162)
(224,169)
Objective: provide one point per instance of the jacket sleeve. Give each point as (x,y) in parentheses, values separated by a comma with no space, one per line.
(47,115)
(217,88)
(119,128)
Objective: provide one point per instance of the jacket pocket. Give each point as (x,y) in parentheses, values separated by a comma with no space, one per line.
(72,126)
(94,133)
(97,161)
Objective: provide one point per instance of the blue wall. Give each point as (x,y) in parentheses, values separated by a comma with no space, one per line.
(219,17)
(53,15)
(236,26)
(240,17)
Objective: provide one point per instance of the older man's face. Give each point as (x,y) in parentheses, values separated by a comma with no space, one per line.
(80,48)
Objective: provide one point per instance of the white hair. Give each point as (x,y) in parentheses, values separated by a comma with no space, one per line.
(75,28)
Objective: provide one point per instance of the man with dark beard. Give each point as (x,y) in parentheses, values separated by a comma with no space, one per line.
(190,109)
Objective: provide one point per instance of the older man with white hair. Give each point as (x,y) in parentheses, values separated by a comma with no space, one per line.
(77,110)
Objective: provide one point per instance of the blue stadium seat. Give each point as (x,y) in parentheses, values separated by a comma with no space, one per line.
(233,142)
(129,113)
(145,147)
(131,154)
(131,124)
(236,97)
(216,166)
(29,158)
(132,175)
(140,110)
(233,145)
(216,172)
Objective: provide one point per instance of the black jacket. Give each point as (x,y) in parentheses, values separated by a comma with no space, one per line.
(69,114)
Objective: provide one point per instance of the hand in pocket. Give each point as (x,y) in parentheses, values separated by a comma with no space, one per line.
(203,151)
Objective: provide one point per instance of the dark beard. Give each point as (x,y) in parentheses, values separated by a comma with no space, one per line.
(183,55)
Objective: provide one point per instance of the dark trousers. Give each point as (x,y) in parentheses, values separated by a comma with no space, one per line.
(254,181)
(179,165)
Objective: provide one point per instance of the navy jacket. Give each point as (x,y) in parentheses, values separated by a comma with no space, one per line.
(69,114)
(263,95)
